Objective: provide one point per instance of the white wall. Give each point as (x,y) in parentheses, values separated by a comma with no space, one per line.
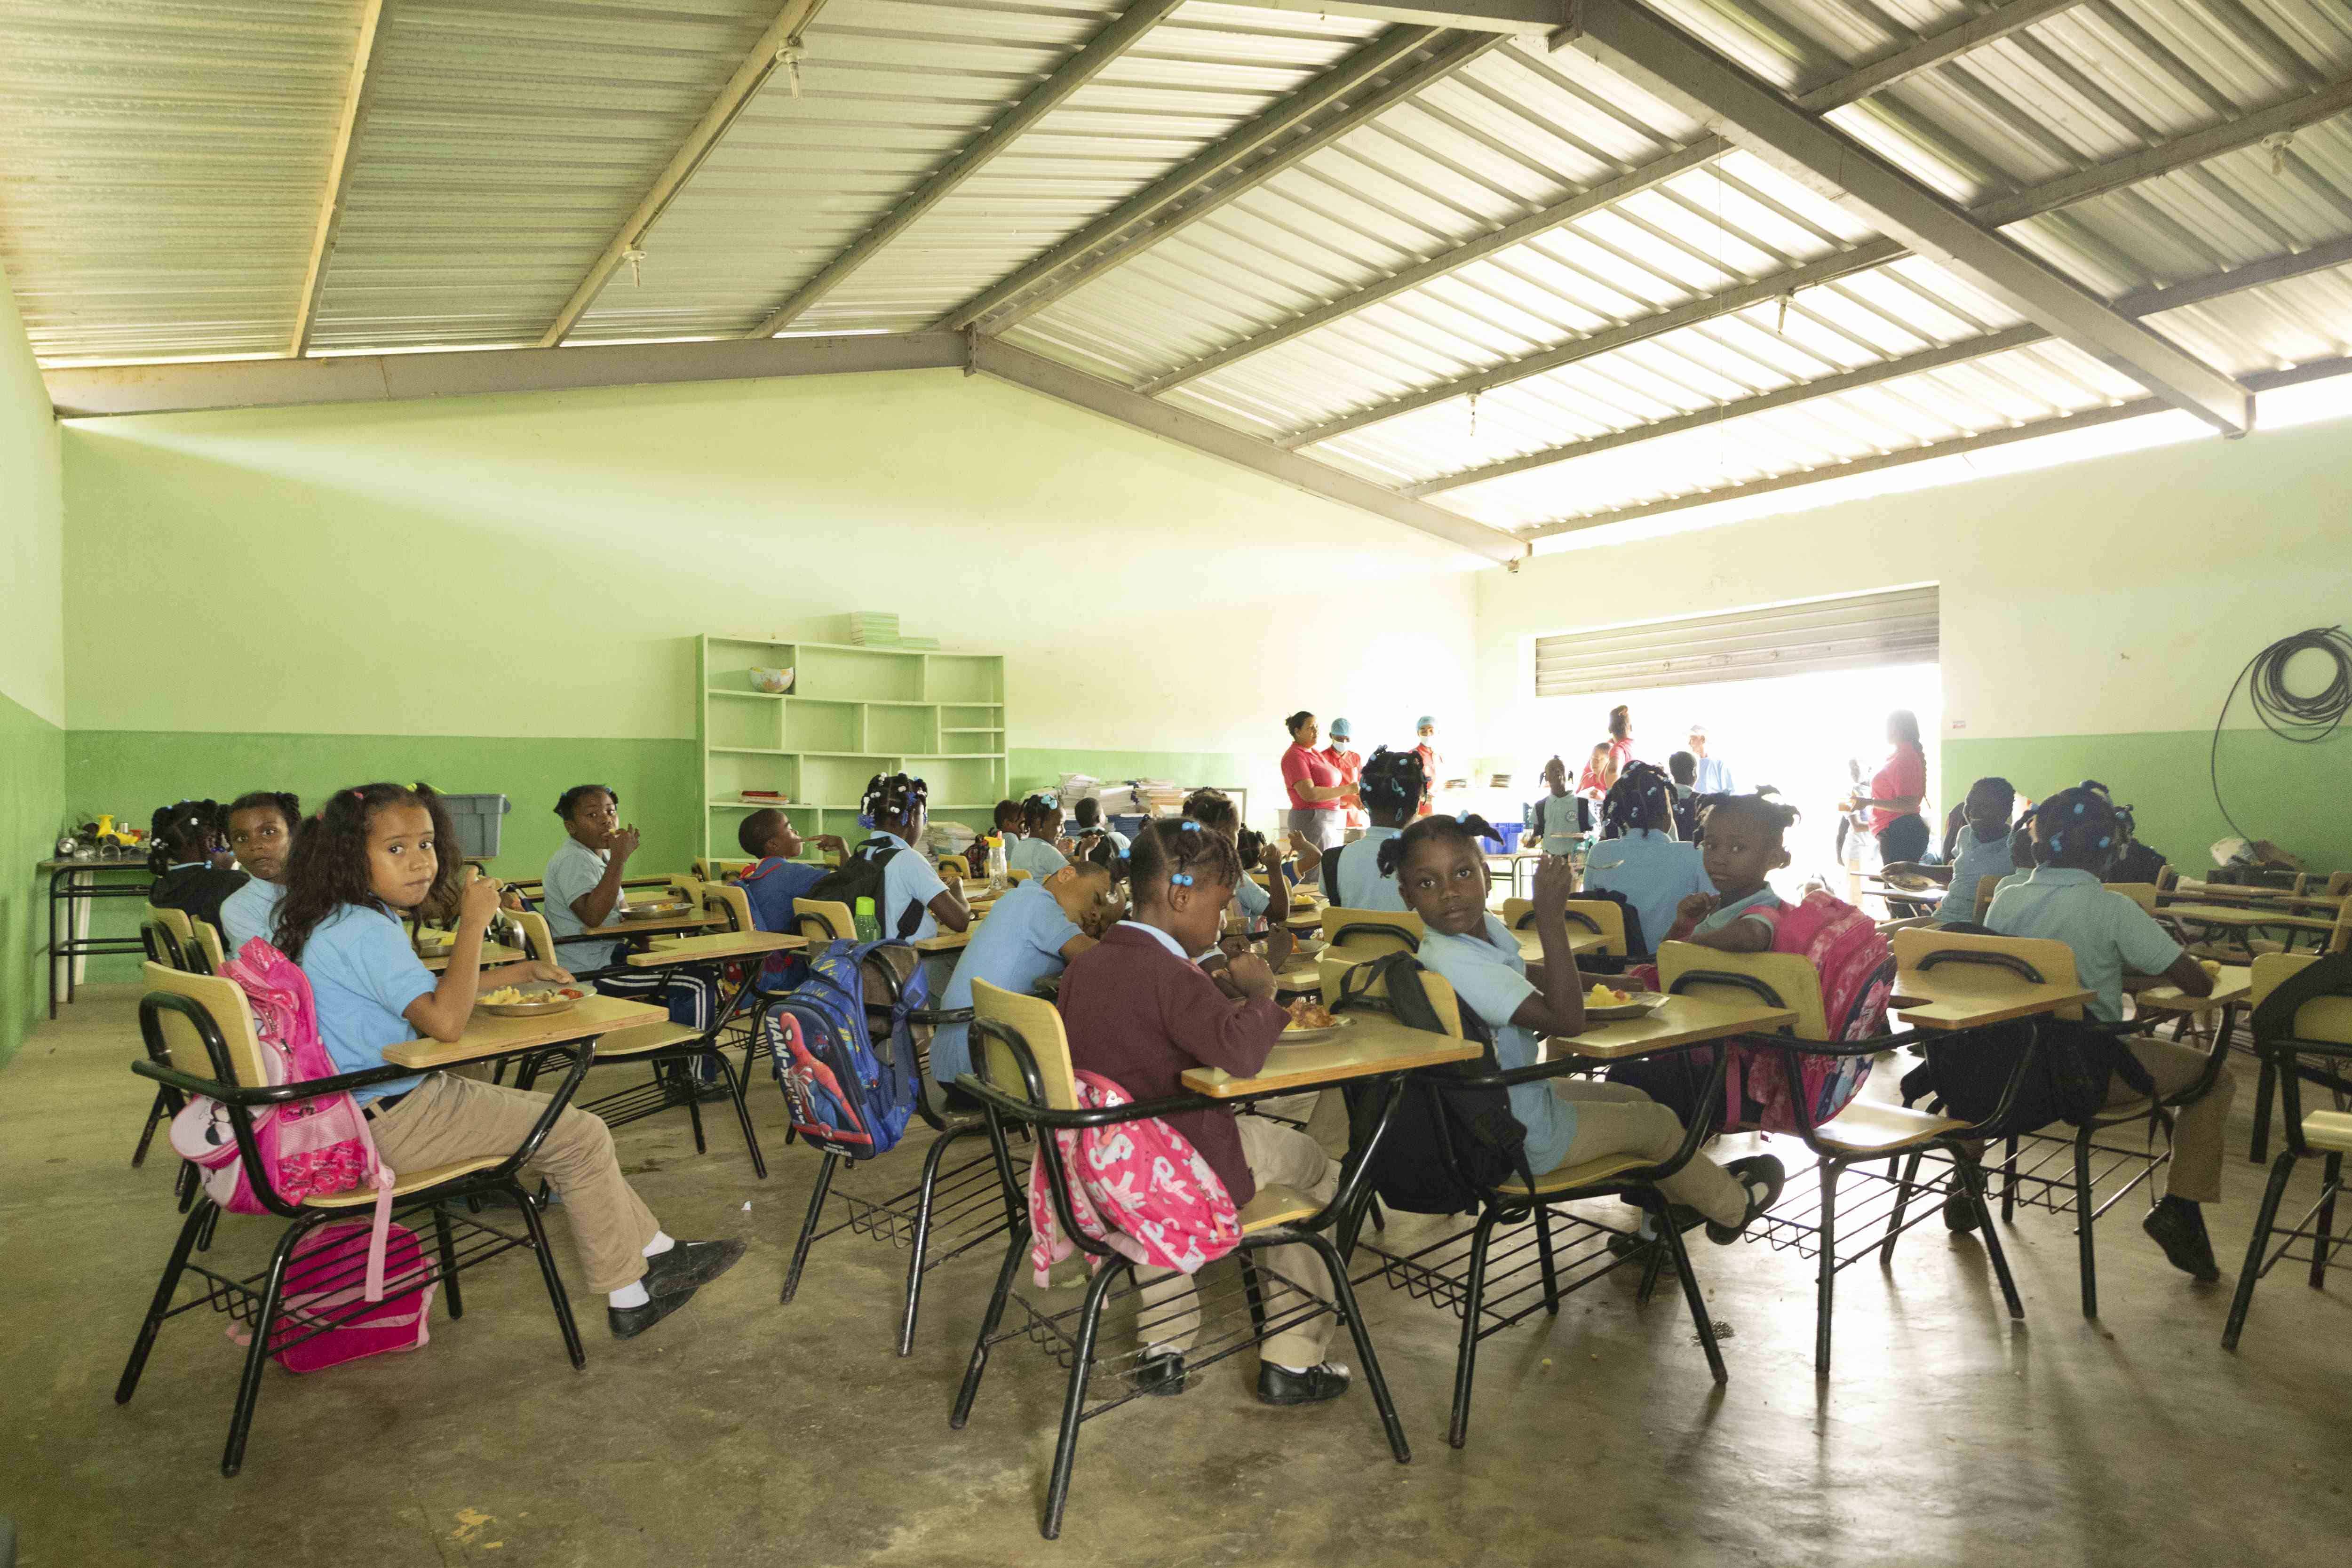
(523,565)
(32,628)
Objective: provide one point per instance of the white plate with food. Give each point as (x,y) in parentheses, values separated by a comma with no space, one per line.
(1311,1022)
(531,1002)
(1611,1005)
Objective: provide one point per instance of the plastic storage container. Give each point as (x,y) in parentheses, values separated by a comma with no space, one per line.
(477,818)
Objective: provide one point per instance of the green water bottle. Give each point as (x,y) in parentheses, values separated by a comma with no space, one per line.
(870,924)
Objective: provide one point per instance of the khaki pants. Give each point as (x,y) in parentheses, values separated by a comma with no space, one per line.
(1618,1119)
(2196,1127)
(1170,1309)
(445,1120)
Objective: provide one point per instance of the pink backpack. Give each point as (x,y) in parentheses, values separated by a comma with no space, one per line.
(320,1282)
(1845,948)
(1139,1186)
(315,1146)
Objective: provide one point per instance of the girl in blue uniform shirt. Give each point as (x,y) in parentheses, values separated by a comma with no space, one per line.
(261,835)
(1038,850)
(1639,856)
(371,857)
(1567,1121)
(1391,788)
(896,805)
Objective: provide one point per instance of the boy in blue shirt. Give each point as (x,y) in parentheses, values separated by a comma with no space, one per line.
(1030,933)
(778,875)
(2076,835)
(1980,849)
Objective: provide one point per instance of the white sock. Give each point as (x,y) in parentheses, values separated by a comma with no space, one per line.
(661,1243)
(630,1295)
(1649,1231)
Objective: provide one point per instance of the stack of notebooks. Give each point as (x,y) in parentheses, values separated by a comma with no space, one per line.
(872,628)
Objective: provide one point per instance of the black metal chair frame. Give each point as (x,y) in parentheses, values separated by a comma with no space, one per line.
(672,1084)
(2075,1190)
(943,1216)
(462,1241)
(1446,1274)
(2323,1073)
(1818,1237)
(1070,1336)
(2284,1055)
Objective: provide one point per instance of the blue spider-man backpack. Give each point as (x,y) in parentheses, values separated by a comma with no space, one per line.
(849,1093)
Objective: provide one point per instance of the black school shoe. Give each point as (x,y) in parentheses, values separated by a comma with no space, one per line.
(2178,1227)
(1162,1373)
(1279,1385)
(688,1266)
(629,1323)
(1959,1213)
(1762,1177)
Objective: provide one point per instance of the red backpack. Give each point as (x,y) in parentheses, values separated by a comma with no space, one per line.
(1854,962)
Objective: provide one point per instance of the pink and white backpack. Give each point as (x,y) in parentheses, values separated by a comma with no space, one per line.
(1140,1187)
(1846,948)
(308,1147)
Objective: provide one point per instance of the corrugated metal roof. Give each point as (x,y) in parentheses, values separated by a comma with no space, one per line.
(1643,311)
(160,169)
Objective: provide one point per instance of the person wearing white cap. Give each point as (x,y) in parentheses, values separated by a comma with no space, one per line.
(1343,756)
(1714,773)
(1426,726)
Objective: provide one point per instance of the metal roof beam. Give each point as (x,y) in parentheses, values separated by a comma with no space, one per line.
(1055,380)
(2260,380)
(2197,147)
(173,388)
(1938,50)
(1084,256)
(1526,18)
(2153,301)
(782,34)
(1074,73)
(1671,65)
(357,88)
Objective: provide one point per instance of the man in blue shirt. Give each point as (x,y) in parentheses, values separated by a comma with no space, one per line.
(1714,773)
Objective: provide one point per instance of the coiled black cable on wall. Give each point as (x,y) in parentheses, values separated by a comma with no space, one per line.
(2304,719)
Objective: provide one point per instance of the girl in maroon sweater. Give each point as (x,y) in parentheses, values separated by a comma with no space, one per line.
(1139,1011)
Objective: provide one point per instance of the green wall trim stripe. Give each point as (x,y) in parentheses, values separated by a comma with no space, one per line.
(2294,796)
(32,809)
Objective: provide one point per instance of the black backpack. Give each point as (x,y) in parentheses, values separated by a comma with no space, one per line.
(1447,1142)
(2067,1082)
(1330,872)
(859,876)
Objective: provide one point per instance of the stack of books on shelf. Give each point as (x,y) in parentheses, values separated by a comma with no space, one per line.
(872,628)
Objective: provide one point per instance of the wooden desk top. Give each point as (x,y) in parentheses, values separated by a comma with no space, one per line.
(946,942)
(488,1036)
(717,945)
(493,953)
(1579,941)
(2230,988)
(1680,1021)
(2242,919)
(2185,890)
(691,920)
(1372,1044)
(1968,997)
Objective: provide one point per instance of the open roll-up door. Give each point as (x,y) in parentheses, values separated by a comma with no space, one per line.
(1860,631)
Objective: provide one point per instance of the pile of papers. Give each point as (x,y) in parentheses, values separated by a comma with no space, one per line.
(1159,797)
(871,628)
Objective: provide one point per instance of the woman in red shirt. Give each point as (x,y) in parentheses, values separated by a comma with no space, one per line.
(1316,789)
(1896,791)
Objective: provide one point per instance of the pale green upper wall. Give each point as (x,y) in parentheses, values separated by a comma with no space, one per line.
(528,564)
(2114,595)
(32,628)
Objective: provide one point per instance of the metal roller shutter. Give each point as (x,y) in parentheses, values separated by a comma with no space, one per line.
(1857,632)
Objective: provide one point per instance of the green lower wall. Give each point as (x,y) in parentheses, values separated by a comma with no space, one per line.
(31,808)
(2300,797)
(131,771)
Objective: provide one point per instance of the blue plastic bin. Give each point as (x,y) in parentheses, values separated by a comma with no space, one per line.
(1509,841)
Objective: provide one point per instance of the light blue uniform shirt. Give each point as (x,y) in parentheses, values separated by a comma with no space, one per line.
(1971,862)
(1763,904)
(573,872)
(2109,931)
(1254,900)
(1035,856)
(1556,824)
(1491,978)
(250,911)
(1363,884)
(363,975)
(1714,777)
(909,875)
(1655,872)
(1018,944)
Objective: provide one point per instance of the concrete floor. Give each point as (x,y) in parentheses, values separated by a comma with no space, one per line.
(740,1431)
